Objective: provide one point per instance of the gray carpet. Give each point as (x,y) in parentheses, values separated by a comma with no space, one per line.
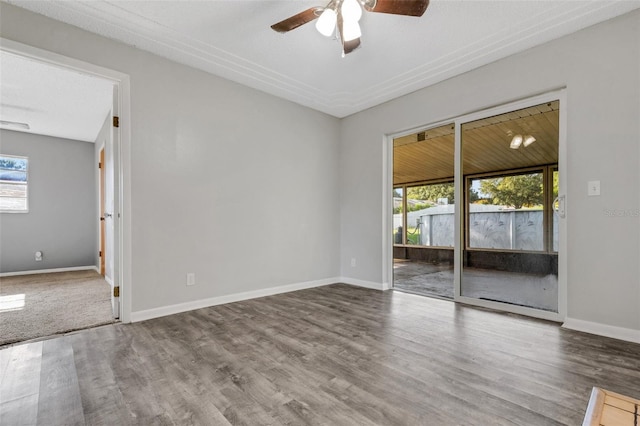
(33,306)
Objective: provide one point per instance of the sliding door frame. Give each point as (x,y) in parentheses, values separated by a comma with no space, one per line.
(459,239)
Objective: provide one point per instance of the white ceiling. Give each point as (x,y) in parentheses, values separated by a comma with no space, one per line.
(233,39)
(53,101)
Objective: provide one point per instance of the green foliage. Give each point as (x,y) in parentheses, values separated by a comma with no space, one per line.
(439,190)
(516,191)
(432,192)
(413,207)
(413,237)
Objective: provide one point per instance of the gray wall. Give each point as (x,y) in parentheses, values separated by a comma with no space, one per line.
(204,147)
(600,67)
(62,210)
(212,160)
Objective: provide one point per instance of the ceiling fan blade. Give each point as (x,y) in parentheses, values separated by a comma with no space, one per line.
(295,21)
(399,7)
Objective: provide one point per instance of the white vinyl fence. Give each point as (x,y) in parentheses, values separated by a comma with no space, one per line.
(493,227)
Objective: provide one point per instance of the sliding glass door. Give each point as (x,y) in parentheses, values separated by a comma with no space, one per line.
(478,209)
(509,244)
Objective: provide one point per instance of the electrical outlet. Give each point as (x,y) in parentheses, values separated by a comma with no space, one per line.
(191,278)
(593,188)
(38,256)
(353,262)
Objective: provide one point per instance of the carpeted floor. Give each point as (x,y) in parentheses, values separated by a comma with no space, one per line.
(39,305)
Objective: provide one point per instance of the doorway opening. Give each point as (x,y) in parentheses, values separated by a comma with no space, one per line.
(100,248)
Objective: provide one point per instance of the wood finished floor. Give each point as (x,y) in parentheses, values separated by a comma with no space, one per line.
(337,355)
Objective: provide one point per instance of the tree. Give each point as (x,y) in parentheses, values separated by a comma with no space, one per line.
(516,191)
(431,192)
(434,191)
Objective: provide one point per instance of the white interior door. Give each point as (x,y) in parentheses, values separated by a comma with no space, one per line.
(112,208)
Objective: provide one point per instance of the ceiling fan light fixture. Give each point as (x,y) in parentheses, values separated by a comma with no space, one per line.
(528,140)
(351,11)
(351,30)
(326,23)
(516,142)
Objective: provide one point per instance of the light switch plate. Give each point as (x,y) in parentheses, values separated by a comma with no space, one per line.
(593,188)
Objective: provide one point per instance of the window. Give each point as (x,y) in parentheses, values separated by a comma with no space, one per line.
(13,184)
(430,215)
(506,211)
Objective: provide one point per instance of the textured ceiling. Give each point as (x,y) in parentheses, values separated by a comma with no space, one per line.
(399,54)
(53,101)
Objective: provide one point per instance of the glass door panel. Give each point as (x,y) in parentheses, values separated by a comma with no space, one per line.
(509,247)
(424,213)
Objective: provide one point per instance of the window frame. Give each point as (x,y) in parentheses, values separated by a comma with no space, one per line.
(405,187)
(26,183)
(547,205)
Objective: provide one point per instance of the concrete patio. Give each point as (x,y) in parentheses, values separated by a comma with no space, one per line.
(436,280)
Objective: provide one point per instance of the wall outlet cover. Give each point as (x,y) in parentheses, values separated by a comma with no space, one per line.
(191,278)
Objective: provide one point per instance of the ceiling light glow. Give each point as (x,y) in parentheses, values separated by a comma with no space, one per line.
(528,140)
(351,30)
(516,142)
(351,11)
(326,23)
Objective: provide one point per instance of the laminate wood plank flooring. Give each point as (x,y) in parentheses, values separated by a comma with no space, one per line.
(334,355)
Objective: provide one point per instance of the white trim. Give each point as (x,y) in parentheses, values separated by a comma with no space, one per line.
(48,271)
(366,284)
(108,280)
(612,331)
(510,308)
(230,298)
(122,262)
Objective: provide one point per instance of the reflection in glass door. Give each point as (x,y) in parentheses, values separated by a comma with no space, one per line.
(510,233)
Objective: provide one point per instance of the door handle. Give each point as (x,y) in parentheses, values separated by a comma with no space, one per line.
(560,209)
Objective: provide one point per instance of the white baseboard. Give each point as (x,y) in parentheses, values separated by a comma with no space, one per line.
(48,271)
(620,333)
(108,280)
(366,284)
(221,300)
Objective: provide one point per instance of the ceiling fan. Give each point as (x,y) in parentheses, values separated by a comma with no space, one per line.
(342,16)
